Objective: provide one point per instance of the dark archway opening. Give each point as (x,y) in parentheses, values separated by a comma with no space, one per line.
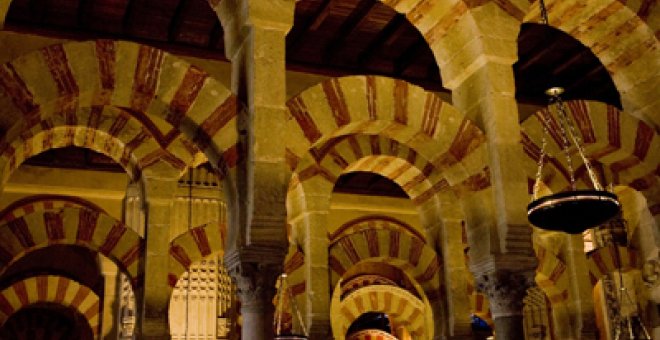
(46,321)
(368,183)
(370,320)
(549,57)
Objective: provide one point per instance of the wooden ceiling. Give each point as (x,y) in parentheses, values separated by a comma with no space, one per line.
(330,37)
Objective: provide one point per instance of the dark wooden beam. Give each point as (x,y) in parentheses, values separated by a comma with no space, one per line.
(408,57)
(575,57)
(591,74)
(85,13)
(544,43)
(312,22)
(216,36)
(81,35)
(180,13)
(357,16)
(129,14)
(395,24)
(38,9)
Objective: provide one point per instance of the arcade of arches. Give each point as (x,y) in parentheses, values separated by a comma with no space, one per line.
(148,193)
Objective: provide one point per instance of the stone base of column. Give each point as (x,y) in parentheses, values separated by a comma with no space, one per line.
(458,337)
(154,329)
(509,327)
(257,323)
(320,329)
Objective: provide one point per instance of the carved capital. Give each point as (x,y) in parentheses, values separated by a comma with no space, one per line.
(505,290)
(255,284)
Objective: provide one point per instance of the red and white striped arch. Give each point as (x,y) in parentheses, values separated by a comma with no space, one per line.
(30,204)
(401,307)
(606,260)
(551,275)
(51,289)
(72,226)
(193,246)
(105,129)
(162,91)
(372,105)
(393,246)
(625,146)
(365,122)
(623,35)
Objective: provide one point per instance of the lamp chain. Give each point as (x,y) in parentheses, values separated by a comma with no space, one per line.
(564,138)
(544,13)
(578,145)
(542,156)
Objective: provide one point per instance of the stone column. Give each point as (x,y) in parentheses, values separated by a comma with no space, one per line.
(255,32)
(506,290)
(255,285)
(110,298)
(580,303)
(155,294)
(480,75)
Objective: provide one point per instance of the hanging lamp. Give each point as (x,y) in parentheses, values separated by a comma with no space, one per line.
(572,211)
(284,296)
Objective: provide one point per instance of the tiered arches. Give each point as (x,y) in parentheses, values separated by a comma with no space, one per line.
(168,95)
(381,125)
(628,159)
(400,249)
(72,226)
(105,129)
(400,306)
(52,289)
(365,122)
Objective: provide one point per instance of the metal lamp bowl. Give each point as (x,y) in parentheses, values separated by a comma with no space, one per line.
(573,211)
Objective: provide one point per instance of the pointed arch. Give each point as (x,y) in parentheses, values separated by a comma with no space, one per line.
(51,289)
(72,226)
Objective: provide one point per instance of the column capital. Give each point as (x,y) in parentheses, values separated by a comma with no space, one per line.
(505,290)
(255,283)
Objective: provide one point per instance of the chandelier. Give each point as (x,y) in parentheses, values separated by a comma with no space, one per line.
(575,210)
(572,211)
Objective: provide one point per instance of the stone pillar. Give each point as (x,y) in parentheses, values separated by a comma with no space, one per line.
(4,10)
(452,249)
(255,32)
(480,75)
(506,290)
(155,293)
(110,298)
(133,218)
(580,295)
(255,285)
